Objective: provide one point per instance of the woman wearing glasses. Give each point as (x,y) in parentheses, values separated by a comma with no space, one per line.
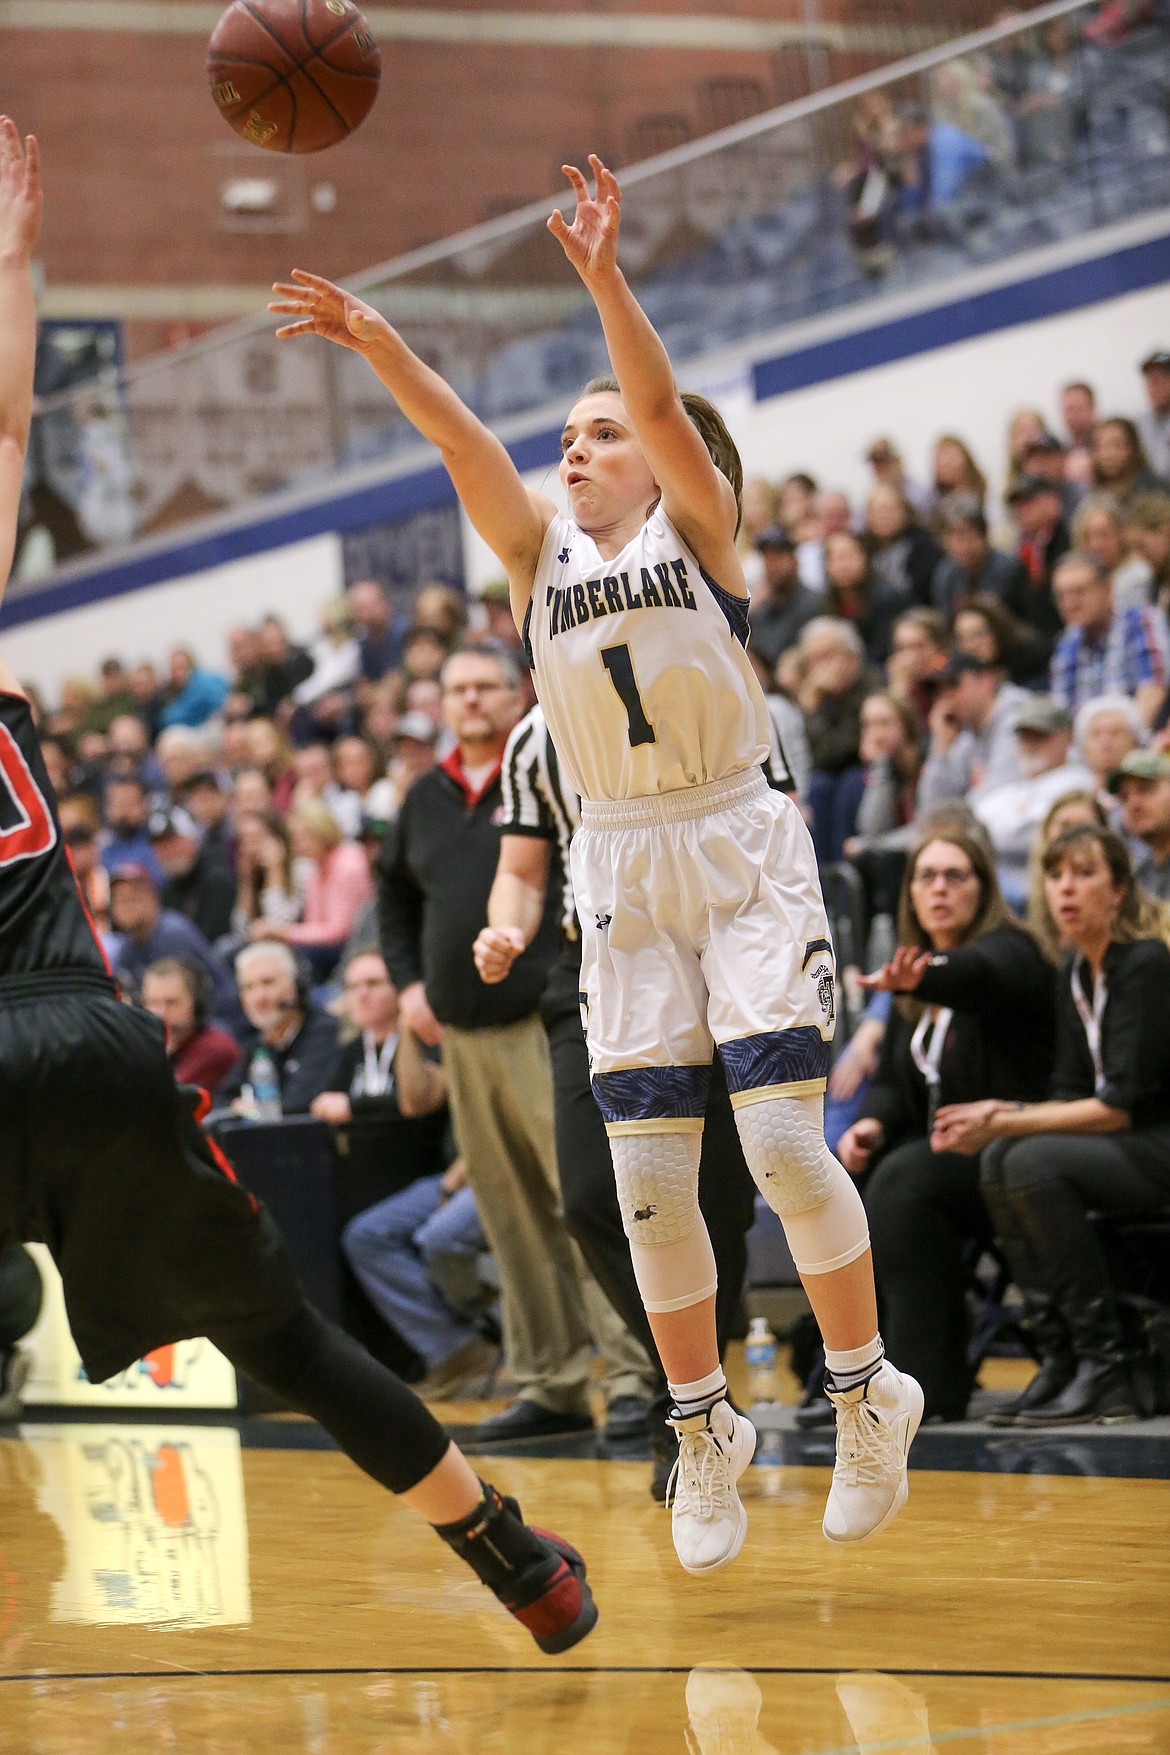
(974,1018)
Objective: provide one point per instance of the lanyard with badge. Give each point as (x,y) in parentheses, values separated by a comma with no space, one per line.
(1091,1016)
(926,1049)
(376,1077)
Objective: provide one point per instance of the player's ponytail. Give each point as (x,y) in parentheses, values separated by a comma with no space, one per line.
(712,430)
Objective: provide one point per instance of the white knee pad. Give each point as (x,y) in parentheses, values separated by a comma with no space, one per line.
(658,1193)
(783,1140)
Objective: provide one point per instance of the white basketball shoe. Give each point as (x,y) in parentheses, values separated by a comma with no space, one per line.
(709,1522)
(876,1424)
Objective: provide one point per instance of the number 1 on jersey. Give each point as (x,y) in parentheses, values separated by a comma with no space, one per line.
(620,666)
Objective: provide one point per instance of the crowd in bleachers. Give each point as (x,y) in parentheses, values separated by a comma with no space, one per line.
(962,670)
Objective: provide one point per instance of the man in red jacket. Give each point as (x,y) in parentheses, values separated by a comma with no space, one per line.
(177,992)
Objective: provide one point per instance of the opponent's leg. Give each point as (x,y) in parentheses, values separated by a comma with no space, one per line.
(390,1434)
(878,1408)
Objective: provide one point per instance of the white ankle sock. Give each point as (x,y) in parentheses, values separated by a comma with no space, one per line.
(698,1397)
(850,1368)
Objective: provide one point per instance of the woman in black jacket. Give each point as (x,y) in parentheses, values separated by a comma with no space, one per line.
(976,1017)
(1102,1141)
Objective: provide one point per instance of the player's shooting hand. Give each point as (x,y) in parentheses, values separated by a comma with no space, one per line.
(20,195)
(320,308)
(495,950)
(590,242)
(901,974)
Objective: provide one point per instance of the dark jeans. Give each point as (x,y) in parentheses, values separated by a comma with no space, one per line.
(1039,1191)
(588,1189)
(834,800)
(924,1209)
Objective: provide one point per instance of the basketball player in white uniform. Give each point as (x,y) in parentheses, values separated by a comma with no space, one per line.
(703,919)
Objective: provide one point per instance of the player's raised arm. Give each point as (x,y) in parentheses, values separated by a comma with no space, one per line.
(511,520)
(697,498)
(20,224)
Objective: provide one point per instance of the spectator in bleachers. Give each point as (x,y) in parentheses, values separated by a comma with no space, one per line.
(283,665)
(129,753)
(1045,457)
(1153,425)
(1043,538)
(973,745)
(250,792)
(891,759)
(206,798)
(147,692)
(264,880)
(1011,813)
(270,751)
(179,752)
(1052,114)
(246,668)
(853,593)
(443,610)
(1025,425)
(987,630)
(889,470)
(1078,411)
(781,605)
(971,566)
(126,809)
(412,753)
(191,696)
(424,653)
(201,1054)
(354,767)
(1100,1144)
(835,685)
(1147,522)
(315,778)
(903,554)
(379,631)
(195,882)
(284,1025)
(114,696)
(1120,465)
(975,1017)
(1100,532)
(961,100)
(1106,651)
(957,478)
(78,816)
(337,662)
(1106,730)
(874,178)
(151,932)
(918,654)
(337,888)
(1142,783)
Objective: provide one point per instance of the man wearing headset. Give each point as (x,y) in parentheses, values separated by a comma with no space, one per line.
(298,1037)
(178,992)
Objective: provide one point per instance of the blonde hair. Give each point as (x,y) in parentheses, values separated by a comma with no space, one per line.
(316,816)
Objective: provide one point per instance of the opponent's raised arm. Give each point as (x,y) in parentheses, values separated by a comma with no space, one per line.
(511,520)
(20,224)
(697,498)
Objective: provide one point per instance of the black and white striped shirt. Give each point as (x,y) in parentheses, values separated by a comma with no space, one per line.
(537,800)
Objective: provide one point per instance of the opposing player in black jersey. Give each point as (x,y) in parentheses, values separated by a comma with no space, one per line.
(102,1157)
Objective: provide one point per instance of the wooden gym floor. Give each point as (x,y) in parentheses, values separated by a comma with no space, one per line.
(222,1588)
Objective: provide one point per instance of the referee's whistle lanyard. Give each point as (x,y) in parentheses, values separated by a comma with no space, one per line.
(1091,1015)
(926,1049)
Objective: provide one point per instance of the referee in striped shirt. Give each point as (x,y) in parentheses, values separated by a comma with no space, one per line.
(540,815)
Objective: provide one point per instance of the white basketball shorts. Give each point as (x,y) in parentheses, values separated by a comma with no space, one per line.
(702,924)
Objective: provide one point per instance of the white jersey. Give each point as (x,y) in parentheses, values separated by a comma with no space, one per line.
(641,665)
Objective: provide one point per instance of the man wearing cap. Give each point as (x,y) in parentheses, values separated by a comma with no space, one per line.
(1154,424)
(782,605)
(1045,456)
(195,881)
(1043,537)
(1104,651)
(1142,783)
(1013,812)
(151,932)
(972,732)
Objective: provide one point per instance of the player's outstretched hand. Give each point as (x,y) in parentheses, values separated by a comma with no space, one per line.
(590,242)
(20,195)
(495,950)
(320,308)
(901,974)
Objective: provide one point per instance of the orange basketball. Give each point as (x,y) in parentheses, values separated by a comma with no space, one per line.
(293,75)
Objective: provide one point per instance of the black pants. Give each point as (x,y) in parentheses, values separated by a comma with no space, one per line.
(154,1238)
(588,1189)
(21,1295)
(1039,1191)
(924,1210)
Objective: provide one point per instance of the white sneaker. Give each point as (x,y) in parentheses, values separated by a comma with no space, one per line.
(723,1709)
(708,1521)
(876,1424)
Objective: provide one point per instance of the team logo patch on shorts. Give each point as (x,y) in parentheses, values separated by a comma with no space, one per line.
(822,974)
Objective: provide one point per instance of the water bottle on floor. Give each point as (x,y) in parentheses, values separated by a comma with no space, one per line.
(760,1353)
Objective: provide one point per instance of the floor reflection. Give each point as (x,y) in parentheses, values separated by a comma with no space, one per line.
(152,1521)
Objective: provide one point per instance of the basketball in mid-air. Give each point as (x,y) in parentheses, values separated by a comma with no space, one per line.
(293,75)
